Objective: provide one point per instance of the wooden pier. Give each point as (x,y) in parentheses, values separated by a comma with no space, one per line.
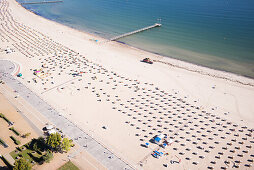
(134,32)
(42,2)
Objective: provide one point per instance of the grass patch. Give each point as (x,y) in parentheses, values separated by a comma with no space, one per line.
(68,166)
(23,154)
(28,154)
(15,131)
(17,142)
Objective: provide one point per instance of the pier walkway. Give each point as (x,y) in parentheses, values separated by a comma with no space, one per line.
(42,2)
(134,32)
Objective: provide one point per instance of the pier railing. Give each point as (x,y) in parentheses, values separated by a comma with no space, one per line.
(134,32)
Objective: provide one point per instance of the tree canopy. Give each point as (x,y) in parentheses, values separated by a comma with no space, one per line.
(38,144)
(66,144)
(48,156)
(22,164)
(54,141)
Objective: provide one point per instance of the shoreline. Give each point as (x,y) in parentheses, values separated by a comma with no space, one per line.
(106,91)
(168,60)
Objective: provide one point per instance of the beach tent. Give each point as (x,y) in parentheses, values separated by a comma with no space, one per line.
(161,136)
(158,138)
(170,141)
(49,127)
(19,75)
(36,71)
(157,152)
(8,50)
(51,131)
(155,155)
(164,145)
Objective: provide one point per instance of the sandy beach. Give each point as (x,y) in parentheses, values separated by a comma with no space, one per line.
(123,103)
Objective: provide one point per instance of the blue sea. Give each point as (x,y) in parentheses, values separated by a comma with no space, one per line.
(218,34)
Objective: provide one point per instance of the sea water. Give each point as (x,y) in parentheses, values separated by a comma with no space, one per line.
(218,34)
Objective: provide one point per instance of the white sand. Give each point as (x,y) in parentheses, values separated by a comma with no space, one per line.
(159,89)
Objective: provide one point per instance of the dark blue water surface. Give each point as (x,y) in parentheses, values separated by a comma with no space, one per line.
(215,33)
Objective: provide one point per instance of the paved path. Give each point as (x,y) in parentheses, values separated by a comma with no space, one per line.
(102,154)
(19,110)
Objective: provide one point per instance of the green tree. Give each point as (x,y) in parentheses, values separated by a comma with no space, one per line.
(54,141)
(66,144)
(38,144)
(35,146)
(22,164)
(41,143)
(48,156)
